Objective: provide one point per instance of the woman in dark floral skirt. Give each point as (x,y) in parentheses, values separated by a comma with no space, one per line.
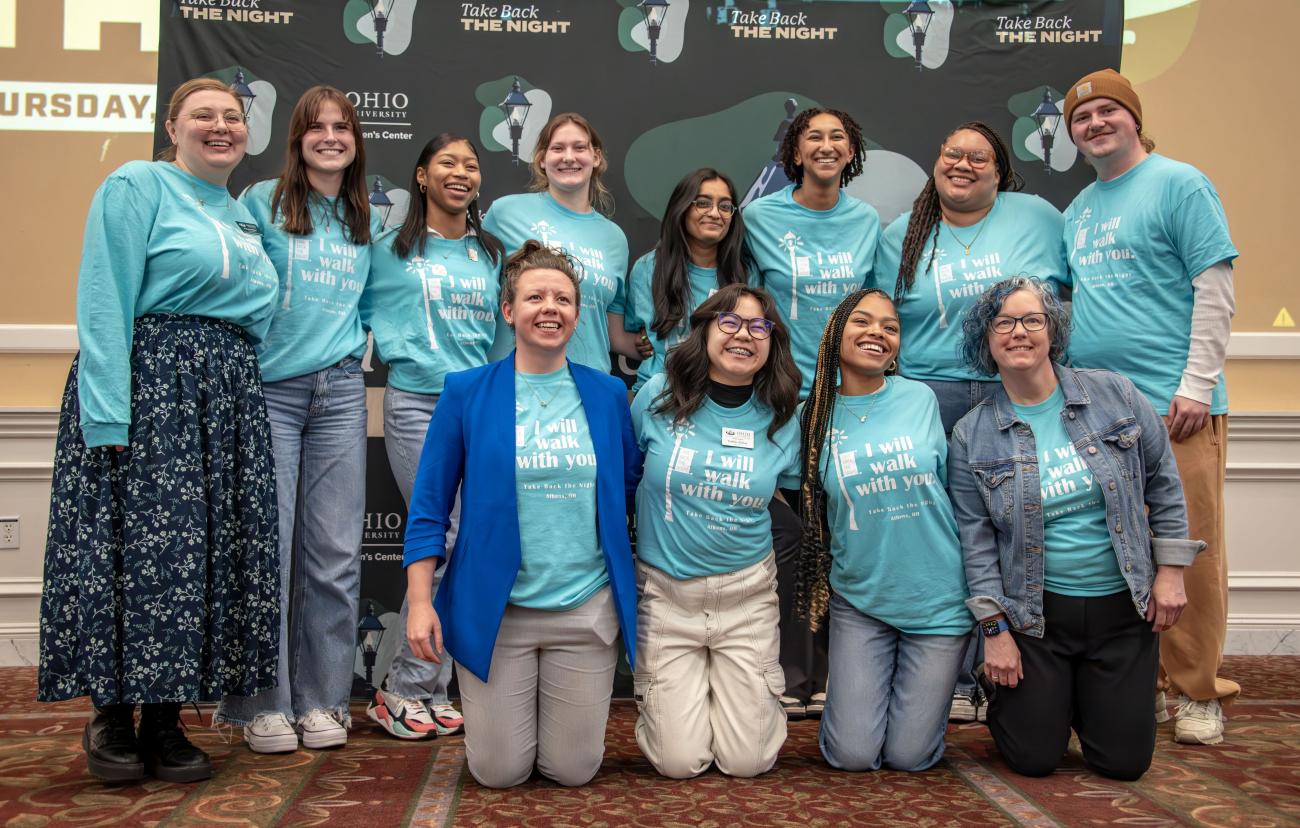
(161,571)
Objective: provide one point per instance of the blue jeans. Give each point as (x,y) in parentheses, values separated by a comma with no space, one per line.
(956,397)
(888,695)
(406,421)
(318,436)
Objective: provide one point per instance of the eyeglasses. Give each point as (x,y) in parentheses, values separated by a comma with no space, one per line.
(207,119)
(704,205)
(952,156)
(1030,321)
(730,323)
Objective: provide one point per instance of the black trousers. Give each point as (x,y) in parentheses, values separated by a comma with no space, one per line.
(1094,670)
(803,652)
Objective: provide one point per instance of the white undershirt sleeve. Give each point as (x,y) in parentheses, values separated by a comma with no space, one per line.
(1212,309)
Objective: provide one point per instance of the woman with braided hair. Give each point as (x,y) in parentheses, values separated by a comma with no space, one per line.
(969,228)
(880,551)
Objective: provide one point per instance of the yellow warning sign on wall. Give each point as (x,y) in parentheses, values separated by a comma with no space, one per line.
(1283,320)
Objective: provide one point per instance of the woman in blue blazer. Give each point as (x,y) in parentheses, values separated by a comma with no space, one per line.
(540,581)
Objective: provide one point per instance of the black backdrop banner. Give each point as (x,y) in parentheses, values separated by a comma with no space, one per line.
(712,87)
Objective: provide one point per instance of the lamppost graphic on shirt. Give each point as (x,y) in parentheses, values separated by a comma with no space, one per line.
(798,267)
(837,438)
(679,460)
(431,288)
(542,231)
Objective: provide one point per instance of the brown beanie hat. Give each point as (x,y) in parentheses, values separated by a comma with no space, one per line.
(1105,83)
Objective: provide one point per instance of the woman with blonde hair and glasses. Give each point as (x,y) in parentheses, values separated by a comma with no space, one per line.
(162,573)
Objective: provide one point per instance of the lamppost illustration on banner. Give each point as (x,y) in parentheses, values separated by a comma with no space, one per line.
(920,33)
(513,114)
(379,16)
(257,99)
(389,200)
(380,201)
(1035,134)
(1047,117)
(657,27)
(654,11)
(387,24)
(515,106)
(918,14)
(370,632)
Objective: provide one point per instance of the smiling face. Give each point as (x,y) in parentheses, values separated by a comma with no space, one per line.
(1019,350)
(329,145)
(734,358)
(708,228)
(451,179)
(211,154)
(870,341)
(964,186)
(824,150)
(1103,129)
(569,159)
(544,312)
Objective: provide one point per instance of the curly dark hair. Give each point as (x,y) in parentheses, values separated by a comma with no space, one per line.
(776,385)
(927,213)
(975,324)
(790,144)
(812,584)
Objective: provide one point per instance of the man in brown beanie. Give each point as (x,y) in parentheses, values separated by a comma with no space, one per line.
(1151,267)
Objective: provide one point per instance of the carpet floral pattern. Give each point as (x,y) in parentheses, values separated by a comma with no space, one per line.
(1253,779)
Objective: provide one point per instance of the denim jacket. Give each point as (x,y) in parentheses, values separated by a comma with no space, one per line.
(993,476)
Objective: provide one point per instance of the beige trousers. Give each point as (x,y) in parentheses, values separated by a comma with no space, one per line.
(1192,651)
(708,677)
(546,700)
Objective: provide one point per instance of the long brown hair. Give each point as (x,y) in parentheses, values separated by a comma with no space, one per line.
(177,102)
(291,200)
(812,585)
(602,200)
(414,232)
(923,225)
(776,385)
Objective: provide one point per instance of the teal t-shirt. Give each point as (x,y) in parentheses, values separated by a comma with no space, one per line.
(1135,243)
(1021,234)
(316,321)
(895,554)
(561,564)
(809,260)
(640,310)
(159,240)
(701,507)
(1078,557)
(598,245)
(431,314)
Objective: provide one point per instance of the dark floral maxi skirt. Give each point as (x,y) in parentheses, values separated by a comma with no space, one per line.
(162,575)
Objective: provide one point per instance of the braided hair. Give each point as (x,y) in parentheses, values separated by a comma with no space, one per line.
(927,212)
(790,145)
(812,585)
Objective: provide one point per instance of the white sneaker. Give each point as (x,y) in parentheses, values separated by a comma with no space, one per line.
(320,729)
(1198,722)
(1162,707)
(964,708)
(402,717)
(271,733)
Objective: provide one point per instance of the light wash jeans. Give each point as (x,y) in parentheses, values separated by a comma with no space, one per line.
(956,397)
(889,692)
(318,435)
(406,422)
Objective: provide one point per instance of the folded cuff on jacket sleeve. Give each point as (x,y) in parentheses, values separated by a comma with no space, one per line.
(984,606)
(1175,551)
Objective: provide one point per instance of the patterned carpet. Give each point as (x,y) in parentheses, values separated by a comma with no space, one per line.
(1253,779)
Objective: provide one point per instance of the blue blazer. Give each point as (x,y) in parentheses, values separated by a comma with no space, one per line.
(470,447)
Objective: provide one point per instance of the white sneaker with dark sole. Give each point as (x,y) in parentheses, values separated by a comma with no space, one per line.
(321,730)
(271,733)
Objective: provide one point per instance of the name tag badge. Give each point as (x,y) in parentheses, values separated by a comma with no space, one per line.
(249,228)
(473,254)
(848,464)
(521,436)
(738,437)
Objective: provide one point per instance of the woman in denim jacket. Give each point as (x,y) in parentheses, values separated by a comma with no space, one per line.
(1074,534)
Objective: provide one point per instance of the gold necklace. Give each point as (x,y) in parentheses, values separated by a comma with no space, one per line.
(543,403)
(962,243)
(862,418)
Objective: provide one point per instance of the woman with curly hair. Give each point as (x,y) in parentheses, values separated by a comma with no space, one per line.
(719,435)
(880,551)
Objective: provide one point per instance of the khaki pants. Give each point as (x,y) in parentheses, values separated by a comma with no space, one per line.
(1192,651)
(708,677)
(546,700)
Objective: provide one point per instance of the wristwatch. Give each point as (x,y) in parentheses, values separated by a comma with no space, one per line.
(994,626)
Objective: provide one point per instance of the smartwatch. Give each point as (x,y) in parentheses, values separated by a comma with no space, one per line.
(994,626)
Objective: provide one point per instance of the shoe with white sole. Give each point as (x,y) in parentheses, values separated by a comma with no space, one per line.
(1198,722)
(1162,707)
(794,708)
(964,708)
(271,733)
(816,706)
(402,717)
(321,729)
(447,718)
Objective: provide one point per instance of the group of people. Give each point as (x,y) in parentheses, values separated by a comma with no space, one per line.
(884,478)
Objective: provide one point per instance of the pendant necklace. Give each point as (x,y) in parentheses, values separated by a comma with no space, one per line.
(542,402)
(962,243)
(862,416)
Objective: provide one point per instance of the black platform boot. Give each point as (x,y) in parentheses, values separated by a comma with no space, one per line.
(112,754)
(167,753)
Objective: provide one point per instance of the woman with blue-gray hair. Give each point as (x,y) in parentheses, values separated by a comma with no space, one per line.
(1071,517)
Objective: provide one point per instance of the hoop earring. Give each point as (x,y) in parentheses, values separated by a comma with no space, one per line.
(423,189)
(893,366)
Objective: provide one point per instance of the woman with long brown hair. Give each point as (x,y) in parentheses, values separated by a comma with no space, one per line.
(316,227)
(719,435)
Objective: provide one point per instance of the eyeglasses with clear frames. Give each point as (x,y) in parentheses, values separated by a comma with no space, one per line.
(207,119)
(730,323)
(704,205)
(978,159)
(1030,321)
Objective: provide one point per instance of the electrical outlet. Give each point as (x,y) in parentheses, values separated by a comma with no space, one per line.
(8,533)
